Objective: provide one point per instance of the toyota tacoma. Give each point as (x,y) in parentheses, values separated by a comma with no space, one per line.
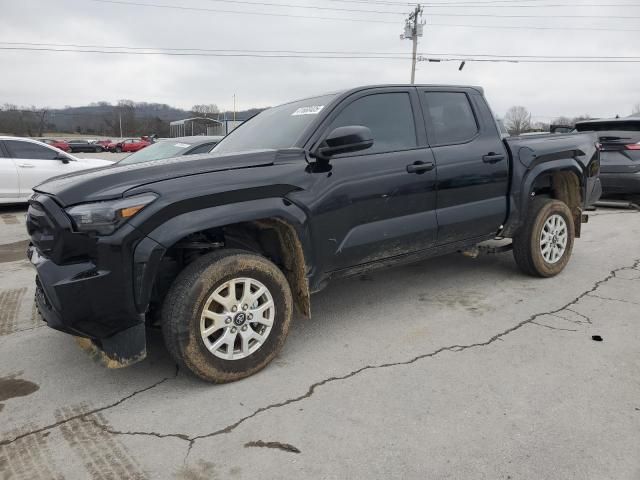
(218,249)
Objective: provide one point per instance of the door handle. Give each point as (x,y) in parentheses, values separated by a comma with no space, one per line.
(492,157)
(25,165)
(420,167)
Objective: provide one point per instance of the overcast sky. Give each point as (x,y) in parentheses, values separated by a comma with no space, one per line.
(547,90)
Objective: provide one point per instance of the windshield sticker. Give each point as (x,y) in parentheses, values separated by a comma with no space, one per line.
(310,110)
(181,145)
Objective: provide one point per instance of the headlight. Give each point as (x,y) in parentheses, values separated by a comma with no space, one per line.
(105,217)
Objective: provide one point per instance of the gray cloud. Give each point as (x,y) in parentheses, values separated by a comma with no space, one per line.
(548,90)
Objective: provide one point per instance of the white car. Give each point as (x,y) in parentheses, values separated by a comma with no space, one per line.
(25,163)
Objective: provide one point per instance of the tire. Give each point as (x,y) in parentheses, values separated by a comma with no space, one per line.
(98,149)
(188,298)
(546,259)
(118,150)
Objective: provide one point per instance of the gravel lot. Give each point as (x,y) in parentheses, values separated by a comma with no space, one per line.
(451,368)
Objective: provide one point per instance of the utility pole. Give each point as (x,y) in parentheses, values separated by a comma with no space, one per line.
(234,108)
(413,26)
(120,117)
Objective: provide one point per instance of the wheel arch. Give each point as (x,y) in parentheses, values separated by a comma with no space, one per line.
(561,179)
(273,227)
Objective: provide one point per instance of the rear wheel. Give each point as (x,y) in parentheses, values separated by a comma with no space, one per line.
(118,150)
(543,246)
(227,315)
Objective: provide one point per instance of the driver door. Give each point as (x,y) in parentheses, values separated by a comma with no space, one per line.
(35,163)
(374,204)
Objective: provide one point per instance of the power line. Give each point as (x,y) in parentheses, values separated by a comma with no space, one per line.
(533,27)
(271,14)
(485,3)
(493,15)
(217,10)
(312,7)
(425,57)
(307,52)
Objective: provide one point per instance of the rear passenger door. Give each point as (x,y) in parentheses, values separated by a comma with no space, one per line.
(472,163)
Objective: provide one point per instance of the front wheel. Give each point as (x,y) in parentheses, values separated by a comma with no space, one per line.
(118,150)
(543,246)
(227,315)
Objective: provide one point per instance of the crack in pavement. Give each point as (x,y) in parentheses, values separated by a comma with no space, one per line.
(82,415)
(554,328)
(452,348)
(614,299)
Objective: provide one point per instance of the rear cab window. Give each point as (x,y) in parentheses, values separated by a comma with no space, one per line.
(450,118)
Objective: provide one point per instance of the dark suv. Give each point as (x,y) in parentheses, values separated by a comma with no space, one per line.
(219,248)
(619,153)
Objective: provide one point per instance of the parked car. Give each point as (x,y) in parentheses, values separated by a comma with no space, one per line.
(25,163)
(61,144)
(173,147)
(129,145)
(85,146)
(223,245)
(104,143)
(619,153)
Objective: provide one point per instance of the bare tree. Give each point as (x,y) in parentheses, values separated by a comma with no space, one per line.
(517,120)
(205,110)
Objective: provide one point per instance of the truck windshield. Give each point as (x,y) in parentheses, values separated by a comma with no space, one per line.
(274,128)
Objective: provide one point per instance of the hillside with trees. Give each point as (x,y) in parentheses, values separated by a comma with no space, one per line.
(104,119)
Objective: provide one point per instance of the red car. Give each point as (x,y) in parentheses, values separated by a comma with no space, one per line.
(104,143)
(61,144)
(129,145)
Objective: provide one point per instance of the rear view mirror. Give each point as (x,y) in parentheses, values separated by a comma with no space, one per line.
(347,139)
(62,158)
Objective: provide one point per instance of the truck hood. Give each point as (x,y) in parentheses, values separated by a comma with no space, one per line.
(113,181)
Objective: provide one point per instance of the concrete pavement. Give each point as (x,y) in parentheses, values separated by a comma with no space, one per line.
(450,368)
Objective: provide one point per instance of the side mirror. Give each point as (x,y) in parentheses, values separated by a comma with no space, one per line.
(62,158)
(352,138)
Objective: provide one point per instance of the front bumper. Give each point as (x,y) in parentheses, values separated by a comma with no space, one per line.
(84,285)
(71,299)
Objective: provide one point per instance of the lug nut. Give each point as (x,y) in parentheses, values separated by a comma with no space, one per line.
(227,320)
(245,306)
(250,316)
(234,330)
(244,328)
(234,309)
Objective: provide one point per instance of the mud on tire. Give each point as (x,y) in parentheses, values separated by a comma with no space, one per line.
(528,244)
(183,307)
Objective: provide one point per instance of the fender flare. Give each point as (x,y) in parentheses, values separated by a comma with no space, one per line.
(520,199)
(149,252)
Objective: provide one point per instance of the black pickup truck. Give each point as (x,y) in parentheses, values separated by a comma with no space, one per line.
(218,248)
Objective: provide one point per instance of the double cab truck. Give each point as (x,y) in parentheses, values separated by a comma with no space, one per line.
(218,249)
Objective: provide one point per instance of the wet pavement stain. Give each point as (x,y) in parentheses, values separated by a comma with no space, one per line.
(11,387)
(13,252)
